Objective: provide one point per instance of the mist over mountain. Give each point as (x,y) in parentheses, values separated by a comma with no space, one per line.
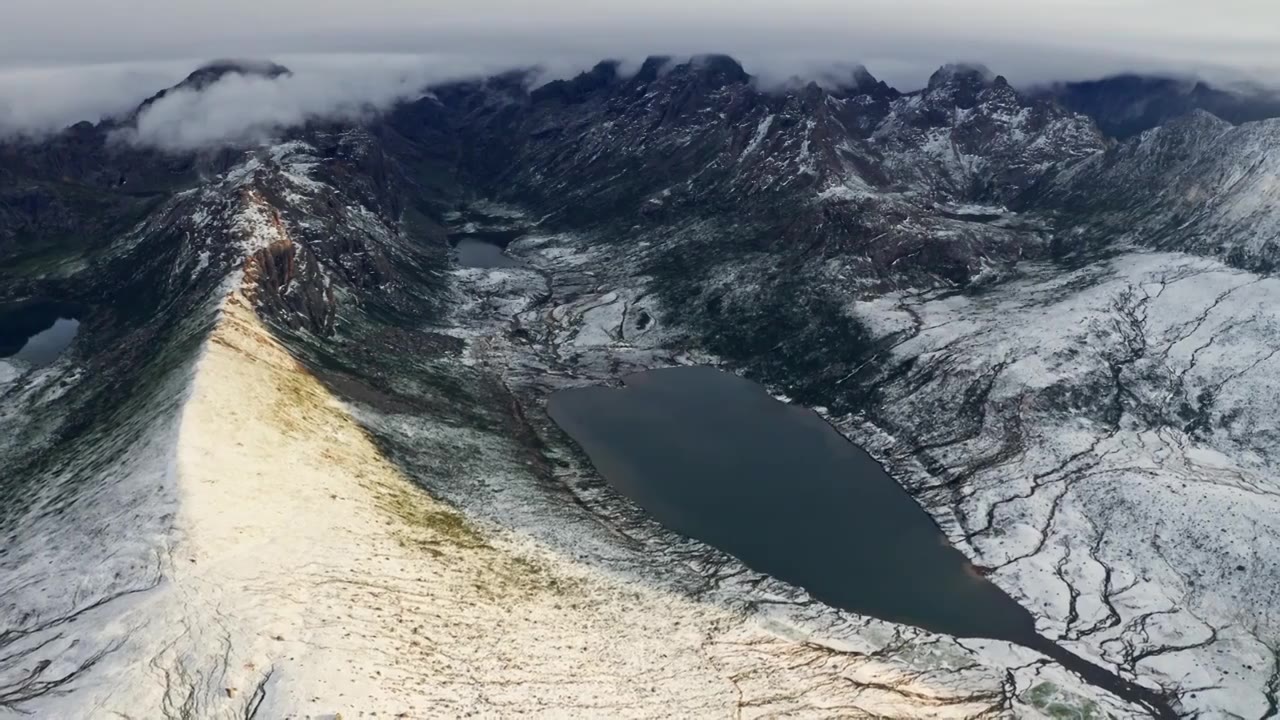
(108,55)
(1043,38)
(1125,105)
(239,107)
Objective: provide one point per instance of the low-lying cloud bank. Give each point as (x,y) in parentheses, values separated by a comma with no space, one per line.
(34,101)
(238,108)
(390,46)
(247,108)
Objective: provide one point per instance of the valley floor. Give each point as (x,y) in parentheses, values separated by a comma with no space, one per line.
(1101,440)
(297,572)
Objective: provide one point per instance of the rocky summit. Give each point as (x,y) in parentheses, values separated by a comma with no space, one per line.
(297,461)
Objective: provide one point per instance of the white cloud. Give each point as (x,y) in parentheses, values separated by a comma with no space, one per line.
(246,108)
(352,55)
(36,100)
(238,108)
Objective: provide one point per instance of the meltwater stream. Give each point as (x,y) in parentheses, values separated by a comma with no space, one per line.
(712,456)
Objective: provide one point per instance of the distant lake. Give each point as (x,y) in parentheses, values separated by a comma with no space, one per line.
(485,250)
(37,332)
(712,456)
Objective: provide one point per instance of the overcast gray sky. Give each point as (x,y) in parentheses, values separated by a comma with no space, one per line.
(64,59)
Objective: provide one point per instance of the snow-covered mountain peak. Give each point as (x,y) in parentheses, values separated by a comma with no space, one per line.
(213,72)
(961,84)
(216,70)
(718,70)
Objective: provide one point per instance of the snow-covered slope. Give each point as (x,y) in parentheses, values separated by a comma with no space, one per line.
(1111,457)
(245,534)
(1199,184)
(297,462)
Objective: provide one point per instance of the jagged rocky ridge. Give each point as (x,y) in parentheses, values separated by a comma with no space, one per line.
(941,271)
(1128,105)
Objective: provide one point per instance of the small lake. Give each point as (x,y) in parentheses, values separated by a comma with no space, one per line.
(37,332)
(486,249)
(712,456)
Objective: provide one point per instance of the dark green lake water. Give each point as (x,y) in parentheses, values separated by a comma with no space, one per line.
(37,332)
(712,456)
(482,252)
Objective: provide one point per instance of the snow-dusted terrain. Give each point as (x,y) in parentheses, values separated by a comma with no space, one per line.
(1140,532)
(1116,466)
(247,548)
(297,462)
